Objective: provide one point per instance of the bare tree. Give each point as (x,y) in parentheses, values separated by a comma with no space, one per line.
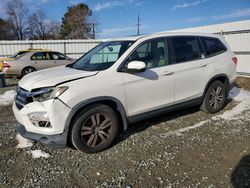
(40,28)
(54,28)
(5,30)
(17,17)
(37,26)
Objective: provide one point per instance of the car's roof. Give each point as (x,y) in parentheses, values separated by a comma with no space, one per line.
(130,38)
(35,50)
(161,34)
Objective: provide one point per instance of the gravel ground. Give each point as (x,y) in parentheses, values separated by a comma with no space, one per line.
(148,154)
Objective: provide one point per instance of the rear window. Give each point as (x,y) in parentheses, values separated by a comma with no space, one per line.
(213,46)
(185,49)
(57,56)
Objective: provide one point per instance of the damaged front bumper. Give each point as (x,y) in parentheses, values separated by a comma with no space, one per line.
(59,140)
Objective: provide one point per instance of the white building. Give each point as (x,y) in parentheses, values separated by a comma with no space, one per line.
(237,35)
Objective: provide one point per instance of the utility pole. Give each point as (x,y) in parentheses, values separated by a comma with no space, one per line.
(93,31)
(138,25)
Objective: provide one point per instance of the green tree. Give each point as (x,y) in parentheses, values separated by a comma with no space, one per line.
(75,22)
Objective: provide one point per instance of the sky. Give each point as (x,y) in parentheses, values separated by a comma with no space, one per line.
(118,18)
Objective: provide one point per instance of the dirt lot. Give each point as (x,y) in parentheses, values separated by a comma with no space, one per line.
(187,148)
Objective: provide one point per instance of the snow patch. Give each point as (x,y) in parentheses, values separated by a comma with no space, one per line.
(23,142)
(236,111)
(7,98)
(179,132)
(233,92)
(237,94)
(38,154)
(241,96)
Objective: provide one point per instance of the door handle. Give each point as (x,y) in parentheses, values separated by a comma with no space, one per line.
(203,65)
(167,73)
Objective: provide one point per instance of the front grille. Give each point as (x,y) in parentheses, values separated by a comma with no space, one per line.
(22,97)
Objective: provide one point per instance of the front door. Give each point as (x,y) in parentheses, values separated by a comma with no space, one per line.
(154,88)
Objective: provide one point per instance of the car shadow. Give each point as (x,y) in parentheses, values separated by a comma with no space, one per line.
(240,177)
(148,74)
(141,126)
(145,124)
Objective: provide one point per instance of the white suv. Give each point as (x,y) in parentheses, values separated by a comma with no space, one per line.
(120,82)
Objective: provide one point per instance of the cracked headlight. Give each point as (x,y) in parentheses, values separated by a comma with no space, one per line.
(47,93)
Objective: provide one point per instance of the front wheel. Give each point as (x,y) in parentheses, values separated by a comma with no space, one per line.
(215,98)
(95,129)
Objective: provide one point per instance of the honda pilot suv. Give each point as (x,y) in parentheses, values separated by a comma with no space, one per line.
(123,81)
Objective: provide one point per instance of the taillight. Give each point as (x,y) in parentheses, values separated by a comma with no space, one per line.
(6,65)
(235,60)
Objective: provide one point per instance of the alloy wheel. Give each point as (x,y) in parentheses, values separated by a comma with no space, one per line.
(96,129)
(29,70)
(216,97)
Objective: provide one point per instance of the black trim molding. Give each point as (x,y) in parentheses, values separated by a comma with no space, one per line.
(153,113)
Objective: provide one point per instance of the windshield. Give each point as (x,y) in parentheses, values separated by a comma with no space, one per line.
(102,56)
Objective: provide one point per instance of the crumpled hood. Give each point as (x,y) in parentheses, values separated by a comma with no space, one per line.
(52,77)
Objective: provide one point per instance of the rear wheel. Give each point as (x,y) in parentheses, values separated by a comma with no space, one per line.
(28,70)
(215,98)
(94,129)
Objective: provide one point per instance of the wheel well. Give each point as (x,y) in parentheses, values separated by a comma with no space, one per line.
(223,78)
(109,103)
(28,67)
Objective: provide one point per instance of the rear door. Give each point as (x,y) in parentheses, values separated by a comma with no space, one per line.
(191,69)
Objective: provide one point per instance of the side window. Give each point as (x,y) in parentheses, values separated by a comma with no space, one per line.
(212,46)
(57,56)
(153,53)
(41,56)
(185,49)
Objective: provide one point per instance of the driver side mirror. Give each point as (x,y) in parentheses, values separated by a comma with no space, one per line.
(136,66)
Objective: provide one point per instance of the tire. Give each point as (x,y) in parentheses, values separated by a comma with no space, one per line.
(94,129)
(28,70)
(215,98)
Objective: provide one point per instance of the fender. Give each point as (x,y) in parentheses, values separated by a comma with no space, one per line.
(214,78)
(119,107)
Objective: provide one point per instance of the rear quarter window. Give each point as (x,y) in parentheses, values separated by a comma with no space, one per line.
(213,46)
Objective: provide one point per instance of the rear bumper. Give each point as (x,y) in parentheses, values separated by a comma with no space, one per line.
(59,140)
(11,72)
